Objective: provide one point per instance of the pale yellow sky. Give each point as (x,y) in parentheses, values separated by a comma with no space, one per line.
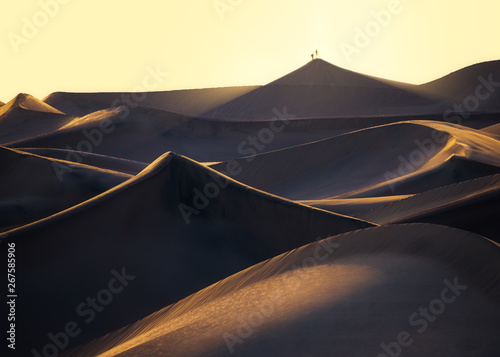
(95,45)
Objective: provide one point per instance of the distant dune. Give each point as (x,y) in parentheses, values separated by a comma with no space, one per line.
(192,102)
(321,89)
(26,116)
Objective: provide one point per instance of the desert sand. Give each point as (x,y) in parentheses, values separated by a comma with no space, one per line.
(327,213)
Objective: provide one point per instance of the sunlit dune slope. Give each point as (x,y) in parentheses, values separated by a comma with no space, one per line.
(26,116)
(343,296)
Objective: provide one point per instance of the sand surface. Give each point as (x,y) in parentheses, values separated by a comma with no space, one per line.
(327,213)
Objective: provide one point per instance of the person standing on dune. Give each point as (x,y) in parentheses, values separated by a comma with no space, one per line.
(316,53)
(312,56)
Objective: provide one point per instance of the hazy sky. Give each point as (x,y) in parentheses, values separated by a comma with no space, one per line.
(95,45)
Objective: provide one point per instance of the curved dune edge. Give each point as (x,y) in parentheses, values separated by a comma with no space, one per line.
(281,172)
(353,206)
(469,255)
(185,101)
(156,167)
(125,166)
(136,224)
(34,186)
(431,200)
(28,103)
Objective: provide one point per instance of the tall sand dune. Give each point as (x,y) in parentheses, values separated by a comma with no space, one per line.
(321,89)
(138,226)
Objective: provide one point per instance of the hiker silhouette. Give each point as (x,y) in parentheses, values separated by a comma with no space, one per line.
(312,56)
(316,53)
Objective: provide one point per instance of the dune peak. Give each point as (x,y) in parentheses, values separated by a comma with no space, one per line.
(28,102)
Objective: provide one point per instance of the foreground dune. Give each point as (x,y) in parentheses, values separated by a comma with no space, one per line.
(139,225)
(345,295)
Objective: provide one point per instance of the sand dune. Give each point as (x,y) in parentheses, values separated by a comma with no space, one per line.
(26,116)
(28,102)
(100,161)
(471,205)
(378,161)
(395,269)
(493,129)
(144,134)
(458,85)
(321,89)
(219,249)
(139,225)
(430,200)
(353,206)
(33,187)
(191,102)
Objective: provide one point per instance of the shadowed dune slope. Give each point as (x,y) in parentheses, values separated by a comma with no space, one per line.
(493,129)
(101,161)
(395,159)
(353,206)
(138,226)
(191,102)
(462,83)
(321,89)
(144,134)
(33,187)
(350,293)
(472,205)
